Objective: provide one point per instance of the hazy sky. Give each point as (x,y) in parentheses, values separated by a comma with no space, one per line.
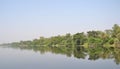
(29,19)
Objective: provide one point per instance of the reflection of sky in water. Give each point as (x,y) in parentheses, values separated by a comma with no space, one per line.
(25,59)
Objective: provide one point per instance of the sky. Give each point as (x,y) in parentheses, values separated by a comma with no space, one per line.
(30,19)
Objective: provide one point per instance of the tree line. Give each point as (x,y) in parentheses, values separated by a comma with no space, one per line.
(107,38)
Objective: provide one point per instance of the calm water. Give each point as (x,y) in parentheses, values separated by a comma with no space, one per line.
(11,58)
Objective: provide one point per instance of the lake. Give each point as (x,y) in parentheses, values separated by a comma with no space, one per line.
(16,58)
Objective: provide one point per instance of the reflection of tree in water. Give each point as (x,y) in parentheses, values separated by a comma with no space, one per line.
(81,52)
(116,54)
(106,53)
(93,54)
(96,53)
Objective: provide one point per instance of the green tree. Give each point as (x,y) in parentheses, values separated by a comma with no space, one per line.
(79,38)
(93,34)
(68,40)
(116,30)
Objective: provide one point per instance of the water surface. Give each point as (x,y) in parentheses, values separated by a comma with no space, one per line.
(15,58)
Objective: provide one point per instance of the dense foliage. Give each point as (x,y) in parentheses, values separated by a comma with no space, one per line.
(107,38)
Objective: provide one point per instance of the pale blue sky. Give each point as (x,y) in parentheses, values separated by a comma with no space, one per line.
(29,19)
